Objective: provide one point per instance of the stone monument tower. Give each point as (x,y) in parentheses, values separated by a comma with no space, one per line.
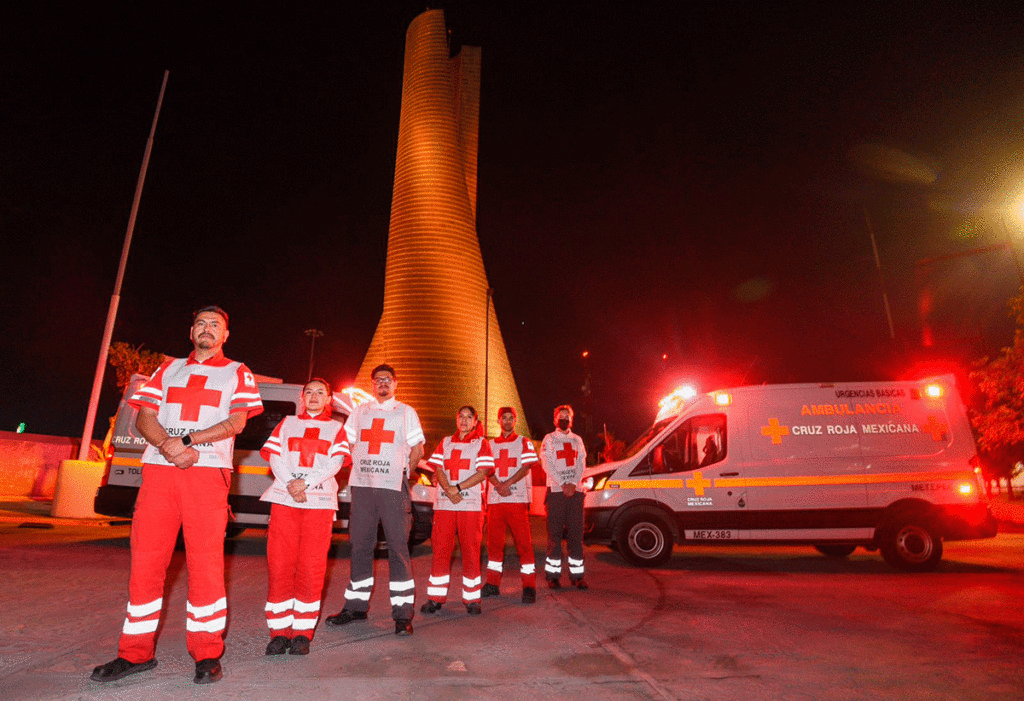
(438,327)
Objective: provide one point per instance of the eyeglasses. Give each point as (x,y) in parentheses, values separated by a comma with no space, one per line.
(382,380)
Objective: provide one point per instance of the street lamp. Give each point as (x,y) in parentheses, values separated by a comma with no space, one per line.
(313,335)
(487,350)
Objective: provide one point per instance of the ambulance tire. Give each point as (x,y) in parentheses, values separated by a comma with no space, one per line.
(645,538)
(835,550)
(912,543)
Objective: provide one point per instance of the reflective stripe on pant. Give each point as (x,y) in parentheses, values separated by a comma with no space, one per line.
(297,545)
(194,500)
(393,510)
(517,518)
(564,514)
(468,525)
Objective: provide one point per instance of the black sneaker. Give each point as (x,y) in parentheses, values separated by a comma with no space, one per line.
(119,669)
(430,607)
(300,645)
(278,645)
(529,595)
(579,584)
(403,626)
(553,583)
(474,609)
(345,616)
(208,671)
(490,590)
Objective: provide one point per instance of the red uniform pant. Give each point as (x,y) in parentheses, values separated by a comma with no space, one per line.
(515,517)
(196,501)
(469,526)
(297,545)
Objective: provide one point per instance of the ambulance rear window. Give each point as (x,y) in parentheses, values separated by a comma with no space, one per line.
(258,429)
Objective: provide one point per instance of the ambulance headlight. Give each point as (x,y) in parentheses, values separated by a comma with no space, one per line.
(965,489)
(597,482)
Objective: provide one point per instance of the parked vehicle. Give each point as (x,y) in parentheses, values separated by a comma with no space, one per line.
(251,477)
(884,465)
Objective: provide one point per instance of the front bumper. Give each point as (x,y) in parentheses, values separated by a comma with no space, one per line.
(597,525)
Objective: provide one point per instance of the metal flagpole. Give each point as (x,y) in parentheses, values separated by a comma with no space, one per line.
(115,298)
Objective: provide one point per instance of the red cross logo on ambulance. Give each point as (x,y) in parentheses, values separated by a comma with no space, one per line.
(936,428)
(775,431)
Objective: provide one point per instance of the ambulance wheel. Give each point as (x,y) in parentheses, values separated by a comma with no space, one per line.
(645,538)
(835,550)
(912,543)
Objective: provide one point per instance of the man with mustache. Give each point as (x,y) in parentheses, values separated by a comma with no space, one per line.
(189,412)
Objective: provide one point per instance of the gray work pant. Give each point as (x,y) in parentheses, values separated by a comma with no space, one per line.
(564,514)
(393,510)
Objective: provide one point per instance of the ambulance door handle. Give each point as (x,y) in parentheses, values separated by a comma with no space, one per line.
(729,474)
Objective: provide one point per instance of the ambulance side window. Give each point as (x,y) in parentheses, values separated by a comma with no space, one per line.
(709,444)
(258,429)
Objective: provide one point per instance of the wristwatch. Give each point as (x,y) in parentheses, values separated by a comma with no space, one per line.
(186,440)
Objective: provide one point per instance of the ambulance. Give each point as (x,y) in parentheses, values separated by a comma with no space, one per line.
(888,466)
(252,476)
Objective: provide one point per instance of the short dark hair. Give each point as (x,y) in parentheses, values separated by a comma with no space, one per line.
(467,406)
(211,308)
(383,367)
(564,407)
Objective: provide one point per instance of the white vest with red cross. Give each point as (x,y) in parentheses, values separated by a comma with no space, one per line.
(310,448)
(190,396)
(460,460)
(381,435)
(511,453)
(564,458)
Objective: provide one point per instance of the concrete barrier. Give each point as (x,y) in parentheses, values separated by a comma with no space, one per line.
(77,482)
(29,463)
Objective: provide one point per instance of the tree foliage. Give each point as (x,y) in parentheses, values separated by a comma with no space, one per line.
(612,448)
(128,360)
(997,415)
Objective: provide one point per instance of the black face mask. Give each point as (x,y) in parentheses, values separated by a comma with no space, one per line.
(563,424)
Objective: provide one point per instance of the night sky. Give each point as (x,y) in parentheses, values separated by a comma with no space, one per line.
(693,182)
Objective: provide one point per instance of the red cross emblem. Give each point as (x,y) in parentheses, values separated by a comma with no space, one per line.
(504,463)
(193,396)
(456,464)
(568,454)
(308,446)
(376,436)
(936,428)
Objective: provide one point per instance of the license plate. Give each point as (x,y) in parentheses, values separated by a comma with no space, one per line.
(710,535)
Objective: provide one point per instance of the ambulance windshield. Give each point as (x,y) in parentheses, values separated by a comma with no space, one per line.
(645,438)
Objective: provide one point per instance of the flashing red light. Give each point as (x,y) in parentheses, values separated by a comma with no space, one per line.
(933,391)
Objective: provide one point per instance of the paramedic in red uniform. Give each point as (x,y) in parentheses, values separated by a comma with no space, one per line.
(386,440)
(189,412)
(462,462)
(564,458)
(508,505)
(305,453)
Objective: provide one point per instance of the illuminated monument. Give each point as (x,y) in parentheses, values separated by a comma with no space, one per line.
(438,323)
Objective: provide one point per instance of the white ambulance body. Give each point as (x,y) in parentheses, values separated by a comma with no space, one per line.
(885,465)
(252,476)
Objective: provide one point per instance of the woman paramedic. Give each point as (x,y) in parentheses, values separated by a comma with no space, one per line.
(462,462)
(305,453)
